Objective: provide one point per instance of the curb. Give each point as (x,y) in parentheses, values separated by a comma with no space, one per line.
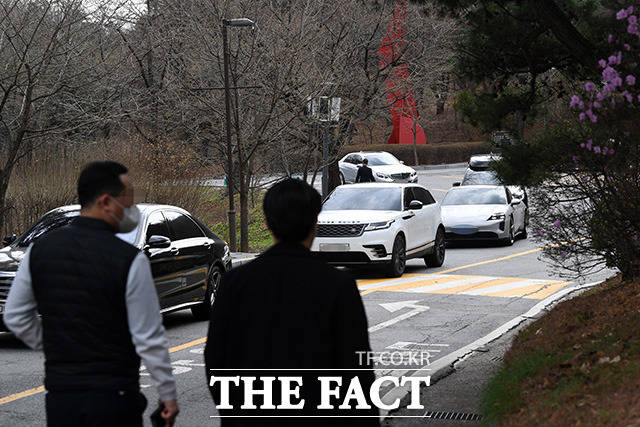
(240,258)
(445,365)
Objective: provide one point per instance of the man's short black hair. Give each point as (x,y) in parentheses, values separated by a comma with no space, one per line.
(365,160)
(291,208)
(98,178)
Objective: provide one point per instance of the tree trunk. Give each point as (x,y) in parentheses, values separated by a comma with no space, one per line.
(244,208)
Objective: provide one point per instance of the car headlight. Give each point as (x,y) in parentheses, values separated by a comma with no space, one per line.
(382,175)
(379,225)
(495,217)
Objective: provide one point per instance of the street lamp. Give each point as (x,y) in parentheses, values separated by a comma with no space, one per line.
(239,22)
(325,109)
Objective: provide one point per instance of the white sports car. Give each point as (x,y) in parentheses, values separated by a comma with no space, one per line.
(376,223)
(483,212)
(385,166)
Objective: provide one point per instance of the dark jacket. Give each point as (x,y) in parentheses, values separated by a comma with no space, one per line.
(365,174)
(79,278)
(289,309)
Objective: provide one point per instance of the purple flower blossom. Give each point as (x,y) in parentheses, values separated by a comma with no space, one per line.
(605,150)
(632,29)
(609,73)
(600,96)
(633,19)
(591,116)
(613,59)
(575,101)
(611,151)
(635,237)
(630,10)
(538,233)
(610,38)
(620,15)
(589,86)
(617,81)
(597,105)
(628,96)
(575,159)
(582,145)
(603,63)
(627,47)
(582,116)
(631,80)
(596,149)
(589,143)
(557,223)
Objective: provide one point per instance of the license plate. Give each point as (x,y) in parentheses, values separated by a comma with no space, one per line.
(334,247)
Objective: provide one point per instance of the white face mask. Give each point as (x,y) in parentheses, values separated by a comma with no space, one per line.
(130,217)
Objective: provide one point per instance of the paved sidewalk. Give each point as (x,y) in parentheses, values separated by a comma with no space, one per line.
(454,399)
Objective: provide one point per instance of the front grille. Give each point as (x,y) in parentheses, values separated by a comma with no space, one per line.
(400,175)
(339,230)
(5,283)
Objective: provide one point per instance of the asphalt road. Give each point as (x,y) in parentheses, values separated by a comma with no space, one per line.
(428,313)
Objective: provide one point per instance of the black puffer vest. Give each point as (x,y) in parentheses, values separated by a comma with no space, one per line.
(79,275)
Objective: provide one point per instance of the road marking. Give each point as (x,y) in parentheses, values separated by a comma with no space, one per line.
(395,306)
(469,285)
(504,258)
(38,390)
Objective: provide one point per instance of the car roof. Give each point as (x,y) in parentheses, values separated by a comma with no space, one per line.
(144,207)
(369,152)
(476,186)
(382,185)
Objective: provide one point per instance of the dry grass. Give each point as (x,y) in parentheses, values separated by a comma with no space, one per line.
(161,174)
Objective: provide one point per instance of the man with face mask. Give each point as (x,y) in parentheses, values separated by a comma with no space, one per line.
(99,310)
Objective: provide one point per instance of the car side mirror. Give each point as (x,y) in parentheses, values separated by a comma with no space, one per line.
(9,239)
(402,162)
(157,242)
(456,184)
(415,205)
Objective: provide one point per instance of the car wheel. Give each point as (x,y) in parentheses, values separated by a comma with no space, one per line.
(342,181)
(511,238)
(436,259)
(203,311)
(398,258)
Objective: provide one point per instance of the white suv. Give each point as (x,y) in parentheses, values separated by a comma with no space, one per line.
(376,223)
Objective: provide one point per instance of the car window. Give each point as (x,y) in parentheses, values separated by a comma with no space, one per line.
(487,177)
(409,197)
(47,223)
(357,159)
(380,159)
(475,196)
(182,226)
(423,195)
(359,198)
(157,226)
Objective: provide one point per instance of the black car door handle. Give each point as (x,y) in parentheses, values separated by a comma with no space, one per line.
(175,251)
(409,216)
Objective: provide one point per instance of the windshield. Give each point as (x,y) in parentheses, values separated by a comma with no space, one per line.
(381,159)
(58,219)
(480,178)
(359,198)
(475,196)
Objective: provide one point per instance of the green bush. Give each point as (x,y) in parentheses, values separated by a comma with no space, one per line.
(429,154)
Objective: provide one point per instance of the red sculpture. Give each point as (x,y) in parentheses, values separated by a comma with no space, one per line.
(403,107)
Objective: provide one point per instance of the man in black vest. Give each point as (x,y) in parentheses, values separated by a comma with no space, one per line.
(99,310)
(288,309)
(365,174)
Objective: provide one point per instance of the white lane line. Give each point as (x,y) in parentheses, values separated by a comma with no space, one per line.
(417,309)
(508,286)
(454,284)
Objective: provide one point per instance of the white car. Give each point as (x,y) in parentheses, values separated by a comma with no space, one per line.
(385,166)
(376,223)
(483,212)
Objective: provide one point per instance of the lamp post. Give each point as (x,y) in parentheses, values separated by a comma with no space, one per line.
(240,22)
(325,109)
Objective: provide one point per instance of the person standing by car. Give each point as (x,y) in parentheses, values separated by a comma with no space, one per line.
(365,174)
(289,310)
(99,310)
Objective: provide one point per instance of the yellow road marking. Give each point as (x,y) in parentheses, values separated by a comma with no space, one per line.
(40,389)
(22,394)
(479,285)
(525,290)
(420,283)
(543,293)
(451,270)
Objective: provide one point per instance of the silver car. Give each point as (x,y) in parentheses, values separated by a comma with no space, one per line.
(385,167)
(483,212)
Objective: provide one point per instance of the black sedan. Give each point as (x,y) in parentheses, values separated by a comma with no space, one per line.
(187,259)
